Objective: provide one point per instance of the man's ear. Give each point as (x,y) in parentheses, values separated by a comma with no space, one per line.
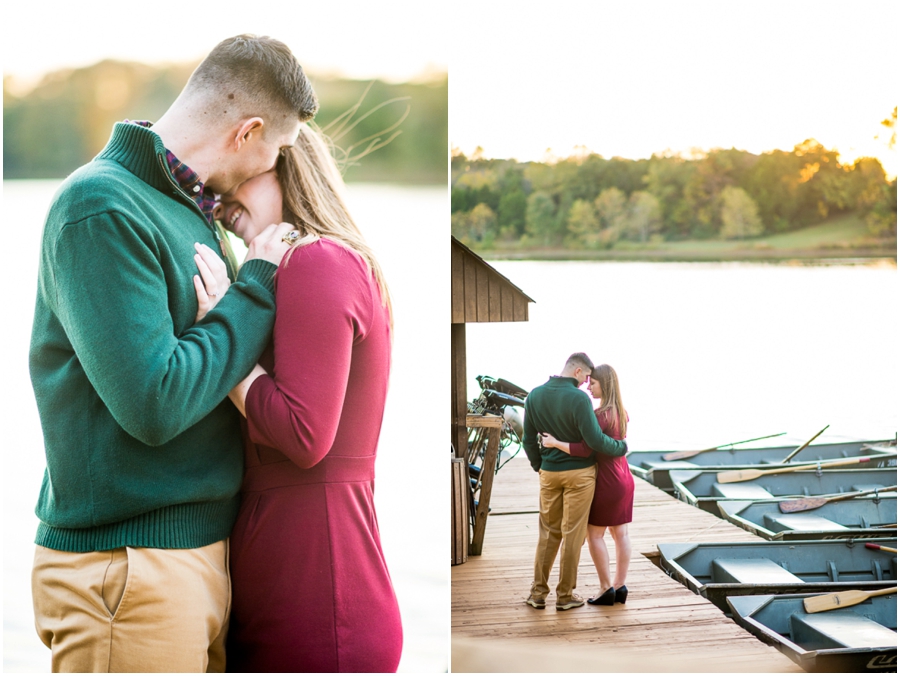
(246,130)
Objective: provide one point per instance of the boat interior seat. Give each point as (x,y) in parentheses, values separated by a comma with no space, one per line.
(740,491)
(751,571)
(776,522)
(842,628)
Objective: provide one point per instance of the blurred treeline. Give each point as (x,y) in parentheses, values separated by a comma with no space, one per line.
(590,202)
(67,119)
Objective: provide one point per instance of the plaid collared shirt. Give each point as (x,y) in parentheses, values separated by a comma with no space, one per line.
(187,178)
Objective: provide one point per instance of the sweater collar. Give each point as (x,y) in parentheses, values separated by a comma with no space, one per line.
(562,381)
(141,151)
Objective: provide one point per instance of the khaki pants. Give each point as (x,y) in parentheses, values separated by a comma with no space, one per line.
(565,506)
(133,609)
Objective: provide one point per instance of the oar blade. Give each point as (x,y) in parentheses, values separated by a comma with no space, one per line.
(681,455)
(801,505)
(738,475)
(844,599)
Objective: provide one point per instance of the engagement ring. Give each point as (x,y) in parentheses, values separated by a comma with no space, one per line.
(291,237)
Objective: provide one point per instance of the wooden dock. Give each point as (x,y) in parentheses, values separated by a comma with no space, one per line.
(663,627)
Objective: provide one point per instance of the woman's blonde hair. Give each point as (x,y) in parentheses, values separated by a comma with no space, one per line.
(313,200)
(611,396)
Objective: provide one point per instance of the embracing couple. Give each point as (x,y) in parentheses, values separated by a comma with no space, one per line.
(586,486)
(210,464)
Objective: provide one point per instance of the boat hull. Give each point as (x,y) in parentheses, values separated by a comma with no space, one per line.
(700,489)
(650,466)
(859,640)
(864,517)
(711,569)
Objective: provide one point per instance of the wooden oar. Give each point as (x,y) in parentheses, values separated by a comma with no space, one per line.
(872,545)
(888,448)
(800,448)
(738,475)
(818,604)
(806,504)
(680,455)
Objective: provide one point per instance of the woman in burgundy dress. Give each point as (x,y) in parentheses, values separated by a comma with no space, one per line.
(311,590)
(614,493)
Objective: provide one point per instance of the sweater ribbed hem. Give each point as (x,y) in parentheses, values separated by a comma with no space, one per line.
(186,526)
(260,271)
(574,463)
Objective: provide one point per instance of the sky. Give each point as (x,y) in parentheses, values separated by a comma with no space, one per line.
(392,39)
(631,79)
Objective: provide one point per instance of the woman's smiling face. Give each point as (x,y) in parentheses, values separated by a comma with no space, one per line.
(254,206)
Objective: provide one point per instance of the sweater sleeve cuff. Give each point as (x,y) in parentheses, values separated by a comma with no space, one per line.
(259,271)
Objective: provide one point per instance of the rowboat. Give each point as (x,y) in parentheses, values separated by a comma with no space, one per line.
(861,638)
(699,488)
(865,517)
(650,466)
(721,569)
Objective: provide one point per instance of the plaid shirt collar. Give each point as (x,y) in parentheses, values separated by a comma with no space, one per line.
(187,179)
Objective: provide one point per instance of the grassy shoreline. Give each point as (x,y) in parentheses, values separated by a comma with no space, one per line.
(693,256)
(845,237)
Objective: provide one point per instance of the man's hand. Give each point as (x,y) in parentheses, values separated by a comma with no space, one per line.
(269,245)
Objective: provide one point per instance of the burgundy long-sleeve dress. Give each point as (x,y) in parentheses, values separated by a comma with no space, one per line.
(614,492)
(311,589)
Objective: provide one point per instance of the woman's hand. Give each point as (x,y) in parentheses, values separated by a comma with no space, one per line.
(212,282)
(549,441)
(269,244)
(238,395)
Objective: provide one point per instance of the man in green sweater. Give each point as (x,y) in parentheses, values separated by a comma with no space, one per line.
(144,451)
(559,408)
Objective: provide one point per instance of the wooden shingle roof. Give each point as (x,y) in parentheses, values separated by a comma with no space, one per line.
(481,294)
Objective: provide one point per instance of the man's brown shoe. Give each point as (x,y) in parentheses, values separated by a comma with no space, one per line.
(574,602)
(540,604)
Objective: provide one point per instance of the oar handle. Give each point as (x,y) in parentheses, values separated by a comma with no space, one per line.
(823,465)
(747,441)
(872,545)
(679,455)
(847,496)
(800,448)
(883,592)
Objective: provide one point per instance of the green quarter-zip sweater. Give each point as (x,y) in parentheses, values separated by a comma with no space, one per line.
(559,408)
(143,448)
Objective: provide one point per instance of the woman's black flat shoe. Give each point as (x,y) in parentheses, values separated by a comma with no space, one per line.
(621,594)
(607,598)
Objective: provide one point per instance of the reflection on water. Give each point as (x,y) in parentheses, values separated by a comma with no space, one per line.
(411,464)
(710,353)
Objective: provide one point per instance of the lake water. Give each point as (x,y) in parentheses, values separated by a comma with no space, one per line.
(712,353)
(407,227)
(706,354)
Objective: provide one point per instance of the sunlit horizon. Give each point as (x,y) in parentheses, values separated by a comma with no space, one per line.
(649,77)
(886,156)
(393,41)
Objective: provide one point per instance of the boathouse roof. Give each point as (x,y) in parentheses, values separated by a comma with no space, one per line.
(481,294)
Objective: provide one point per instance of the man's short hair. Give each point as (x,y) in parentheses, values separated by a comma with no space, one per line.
(261,76)
(580,359)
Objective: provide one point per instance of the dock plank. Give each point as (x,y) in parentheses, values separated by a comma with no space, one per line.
(664,627)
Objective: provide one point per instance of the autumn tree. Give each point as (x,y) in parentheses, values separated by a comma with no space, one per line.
(582,224)
(540,216)
(643,216)
(740,216)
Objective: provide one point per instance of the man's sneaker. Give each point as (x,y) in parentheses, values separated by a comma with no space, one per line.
(540,604)
(574,602)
